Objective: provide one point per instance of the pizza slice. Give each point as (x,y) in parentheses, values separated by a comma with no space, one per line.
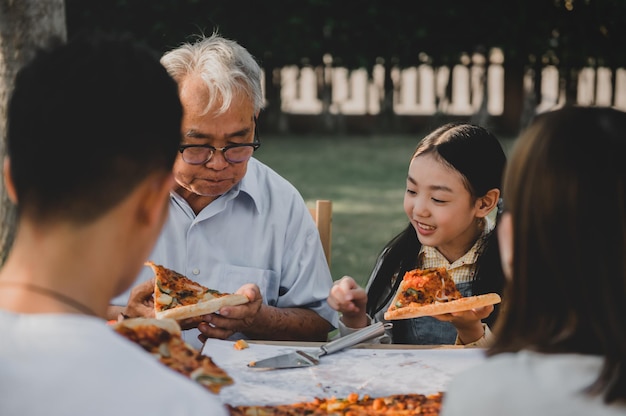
(178,297)
(429,292)
(162,338)
(414,404)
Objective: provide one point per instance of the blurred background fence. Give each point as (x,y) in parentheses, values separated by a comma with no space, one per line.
(422,94)
(397,66)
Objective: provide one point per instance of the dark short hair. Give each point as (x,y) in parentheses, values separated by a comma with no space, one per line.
(87,121)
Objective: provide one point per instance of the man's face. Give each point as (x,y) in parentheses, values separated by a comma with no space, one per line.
(202,184)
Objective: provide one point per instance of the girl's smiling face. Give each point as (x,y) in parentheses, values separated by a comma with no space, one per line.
(440,207)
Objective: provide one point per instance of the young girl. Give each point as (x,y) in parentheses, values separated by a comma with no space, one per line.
(453,184)
(559,346)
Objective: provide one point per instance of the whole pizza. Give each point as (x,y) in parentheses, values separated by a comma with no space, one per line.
(353,405)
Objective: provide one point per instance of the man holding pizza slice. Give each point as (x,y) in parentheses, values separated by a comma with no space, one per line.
(235,225)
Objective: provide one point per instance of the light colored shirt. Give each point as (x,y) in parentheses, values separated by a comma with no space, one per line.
(528,383)
(66,365)
(462,269)
(259,232)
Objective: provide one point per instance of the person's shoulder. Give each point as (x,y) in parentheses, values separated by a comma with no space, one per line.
(260,167)
(140,368)
(464,392)
(194,398)
(72,341)
(485,368)
(267,177)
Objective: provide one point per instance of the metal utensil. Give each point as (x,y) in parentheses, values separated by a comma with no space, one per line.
(301,358)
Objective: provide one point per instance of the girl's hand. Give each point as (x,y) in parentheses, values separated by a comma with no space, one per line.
(468,323)
(348,298)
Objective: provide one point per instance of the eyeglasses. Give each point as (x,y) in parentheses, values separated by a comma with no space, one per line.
(199,154)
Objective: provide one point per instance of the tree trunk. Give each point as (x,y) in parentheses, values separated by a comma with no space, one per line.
(272,117)
(570,84)
(325,93)
(513,99)
(387,120)
(25,25)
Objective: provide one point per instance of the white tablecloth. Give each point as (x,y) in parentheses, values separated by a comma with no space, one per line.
(372,371)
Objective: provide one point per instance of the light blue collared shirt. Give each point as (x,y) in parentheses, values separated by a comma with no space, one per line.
(259,232)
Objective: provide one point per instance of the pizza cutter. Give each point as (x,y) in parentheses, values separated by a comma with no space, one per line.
(301,358)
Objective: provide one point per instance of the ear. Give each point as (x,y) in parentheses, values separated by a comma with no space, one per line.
(487,203)
(8,181)
(153,202)
(505,243)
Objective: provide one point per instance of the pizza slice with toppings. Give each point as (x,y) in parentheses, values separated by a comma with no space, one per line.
(162,338)
(430,292)
(178,297)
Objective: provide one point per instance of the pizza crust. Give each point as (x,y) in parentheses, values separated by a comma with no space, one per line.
(415,310)
(169,284)
(169,325)
(201,308)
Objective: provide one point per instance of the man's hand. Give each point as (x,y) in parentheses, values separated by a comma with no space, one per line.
(141,301)
(231,319)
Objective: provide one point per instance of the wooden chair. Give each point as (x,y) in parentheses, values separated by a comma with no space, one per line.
(322,214)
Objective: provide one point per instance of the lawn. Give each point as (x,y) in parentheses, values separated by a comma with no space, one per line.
(365,179)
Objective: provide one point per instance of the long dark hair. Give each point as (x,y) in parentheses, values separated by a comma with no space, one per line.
(478,156)
(565,189)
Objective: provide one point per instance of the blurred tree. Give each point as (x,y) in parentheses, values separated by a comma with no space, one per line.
(24,26)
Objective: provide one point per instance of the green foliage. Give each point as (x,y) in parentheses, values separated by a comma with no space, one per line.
(365,179)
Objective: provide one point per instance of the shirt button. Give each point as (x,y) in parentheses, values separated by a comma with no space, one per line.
(195,272)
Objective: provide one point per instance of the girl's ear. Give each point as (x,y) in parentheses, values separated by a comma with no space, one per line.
(8,181)
(487,203)
(505,243)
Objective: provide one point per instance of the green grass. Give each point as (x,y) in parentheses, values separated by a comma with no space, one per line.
(365,179)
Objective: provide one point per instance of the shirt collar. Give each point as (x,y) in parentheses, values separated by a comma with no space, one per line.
(248,187)
(250,184)
(428,252)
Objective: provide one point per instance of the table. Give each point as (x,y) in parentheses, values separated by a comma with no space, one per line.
(373,369)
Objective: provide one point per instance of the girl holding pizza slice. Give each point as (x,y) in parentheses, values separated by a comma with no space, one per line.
(453,185)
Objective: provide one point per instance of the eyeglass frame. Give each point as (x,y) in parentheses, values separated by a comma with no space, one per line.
(256,143)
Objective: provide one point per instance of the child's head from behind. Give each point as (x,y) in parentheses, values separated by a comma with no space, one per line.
(88,120)
(453,183)
(563,237)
